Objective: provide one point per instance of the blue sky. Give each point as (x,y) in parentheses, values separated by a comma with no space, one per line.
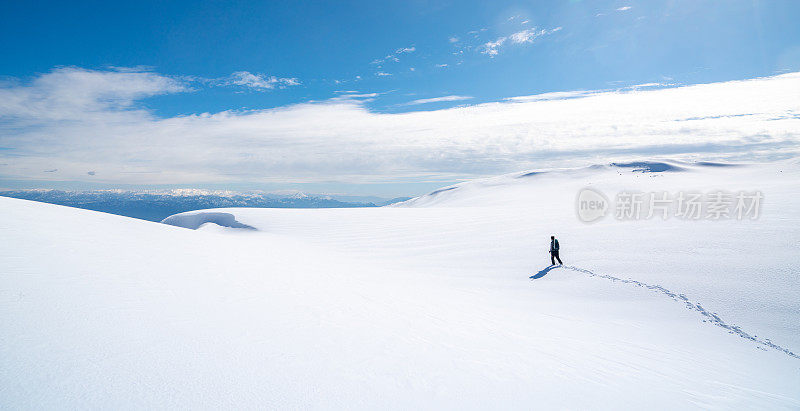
(161,63)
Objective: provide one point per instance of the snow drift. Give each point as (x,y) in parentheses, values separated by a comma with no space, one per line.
(195,220)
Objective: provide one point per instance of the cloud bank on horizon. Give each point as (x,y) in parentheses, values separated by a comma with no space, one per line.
(76,120)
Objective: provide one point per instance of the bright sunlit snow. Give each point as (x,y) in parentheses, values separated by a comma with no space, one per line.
(446,300)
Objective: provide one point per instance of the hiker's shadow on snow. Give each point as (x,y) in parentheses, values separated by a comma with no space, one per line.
(543,273)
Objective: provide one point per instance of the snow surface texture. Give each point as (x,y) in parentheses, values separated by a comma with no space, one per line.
(445,300)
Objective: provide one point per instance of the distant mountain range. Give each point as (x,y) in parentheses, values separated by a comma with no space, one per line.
(157,205)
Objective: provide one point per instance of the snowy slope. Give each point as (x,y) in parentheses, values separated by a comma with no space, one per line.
(426,304)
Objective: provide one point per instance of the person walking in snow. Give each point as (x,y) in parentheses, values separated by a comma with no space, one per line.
(554,251)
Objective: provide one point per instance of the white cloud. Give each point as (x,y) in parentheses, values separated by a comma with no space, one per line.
(526,36)
(453,39)
(443,65)
(557,95)
(382,74)
(525,22)
(649,85)
(412,69)
(436,100)
(492,48)
(625,8)
(77,121)
(394,57)
(259,81)
(67,92)
(355,94)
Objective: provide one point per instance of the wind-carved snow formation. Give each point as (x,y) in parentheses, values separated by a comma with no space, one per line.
(194,220)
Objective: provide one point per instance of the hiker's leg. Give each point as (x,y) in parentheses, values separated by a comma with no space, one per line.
(553,258)
(559,258)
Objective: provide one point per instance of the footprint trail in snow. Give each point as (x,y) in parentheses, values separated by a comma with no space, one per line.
(710,317)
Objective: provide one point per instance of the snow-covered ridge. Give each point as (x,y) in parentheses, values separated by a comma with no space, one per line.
(644,166)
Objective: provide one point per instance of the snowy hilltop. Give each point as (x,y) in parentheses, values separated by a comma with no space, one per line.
(679,290)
